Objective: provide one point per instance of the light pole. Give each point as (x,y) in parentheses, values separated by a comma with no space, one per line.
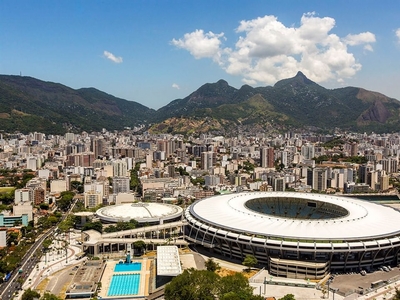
(265,285)
(334,291)
(328,287)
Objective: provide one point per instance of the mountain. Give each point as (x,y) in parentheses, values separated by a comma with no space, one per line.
(28,104)
(295,102)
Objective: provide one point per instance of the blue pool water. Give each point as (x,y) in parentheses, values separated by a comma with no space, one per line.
(137,266)
(124,285)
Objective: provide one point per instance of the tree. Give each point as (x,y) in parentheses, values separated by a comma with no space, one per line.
(197,181)
(140,245)
(30,295)
(133,224)
(48,296)
(211,265)
(66,200)
(44,222)
(397,294)
(121,225)
(192,284)
(93,225)
(234,287)
(250,261)
(77,186)
(47,243)
(67,224)
(204,285)
(52,219)
(110,228)
(135,183)
(12,238)
(287,297)
(44,206)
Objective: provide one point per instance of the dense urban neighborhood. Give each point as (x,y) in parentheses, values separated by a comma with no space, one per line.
(52,185)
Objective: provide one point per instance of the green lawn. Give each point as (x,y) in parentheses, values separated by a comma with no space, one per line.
(6,189)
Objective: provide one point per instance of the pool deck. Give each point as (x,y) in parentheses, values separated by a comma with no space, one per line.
(143,284)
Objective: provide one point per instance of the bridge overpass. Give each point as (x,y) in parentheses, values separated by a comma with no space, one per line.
(95,243)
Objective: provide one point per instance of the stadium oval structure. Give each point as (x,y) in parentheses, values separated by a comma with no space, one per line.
(143,213)
(298,235)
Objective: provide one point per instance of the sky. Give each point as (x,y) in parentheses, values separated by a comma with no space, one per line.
(153,52)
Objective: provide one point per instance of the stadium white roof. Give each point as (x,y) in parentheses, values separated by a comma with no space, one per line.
(141,212)
(365,220)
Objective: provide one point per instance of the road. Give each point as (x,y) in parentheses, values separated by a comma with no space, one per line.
(28,262)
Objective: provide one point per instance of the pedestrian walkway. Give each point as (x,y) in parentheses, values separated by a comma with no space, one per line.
(53,261)
(382,293)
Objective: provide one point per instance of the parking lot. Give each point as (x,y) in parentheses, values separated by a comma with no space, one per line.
(356,282)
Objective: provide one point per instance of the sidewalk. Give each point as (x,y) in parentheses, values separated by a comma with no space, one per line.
(382,293)
(52,262)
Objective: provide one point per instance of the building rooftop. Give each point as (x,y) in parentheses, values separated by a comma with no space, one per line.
(168,262)
(141,212)
(363,220)
(84,283)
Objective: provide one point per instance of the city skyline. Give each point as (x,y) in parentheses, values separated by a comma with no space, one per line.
(154,52)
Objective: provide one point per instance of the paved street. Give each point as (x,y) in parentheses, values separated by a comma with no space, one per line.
(52,263)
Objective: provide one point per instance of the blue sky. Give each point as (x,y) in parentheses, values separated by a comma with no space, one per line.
(153,52)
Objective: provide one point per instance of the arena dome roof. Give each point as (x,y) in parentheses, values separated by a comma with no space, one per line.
(345,218)
(141,212)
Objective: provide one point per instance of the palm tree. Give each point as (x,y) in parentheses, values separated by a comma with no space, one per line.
(397,294)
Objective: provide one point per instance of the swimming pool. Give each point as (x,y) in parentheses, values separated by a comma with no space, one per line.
(137,266)
(124,285)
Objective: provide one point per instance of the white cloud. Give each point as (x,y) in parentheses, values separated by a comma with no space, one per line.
(398,34)
(362,38)
(112,57)
(368,47)
(175,86)
(267,51)
(200,44)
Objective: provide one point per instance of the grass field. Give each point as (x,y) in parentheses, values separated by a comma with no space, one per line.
(6,189)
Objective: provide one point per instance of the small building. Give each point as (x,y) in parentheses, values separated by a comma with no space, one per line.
(9,220)
(168,262)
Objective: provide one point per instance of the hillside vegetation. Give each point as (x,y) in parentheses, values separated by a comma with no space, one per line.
(28,104)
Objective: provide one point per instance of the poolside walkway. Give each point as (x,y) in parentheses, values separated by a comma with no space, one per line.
(143,284)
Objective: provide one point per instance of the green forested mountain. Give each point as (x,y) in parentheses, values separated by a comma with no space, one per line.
(291,103)
(28,104)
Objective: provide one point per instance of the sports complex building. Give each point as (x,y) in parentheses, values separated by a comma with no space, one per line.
(297,235)
(144,213)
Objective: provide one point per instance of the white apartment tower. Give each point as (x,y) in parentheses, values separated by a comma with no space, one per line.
(92,199)
(120,168)
(267,157)
(23,195)
(121,185)
(319,180)
(308,151)
(207,160)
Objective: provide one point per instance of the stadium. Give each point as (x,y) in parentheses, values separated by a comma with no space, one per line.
(143,213)
(297,235)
